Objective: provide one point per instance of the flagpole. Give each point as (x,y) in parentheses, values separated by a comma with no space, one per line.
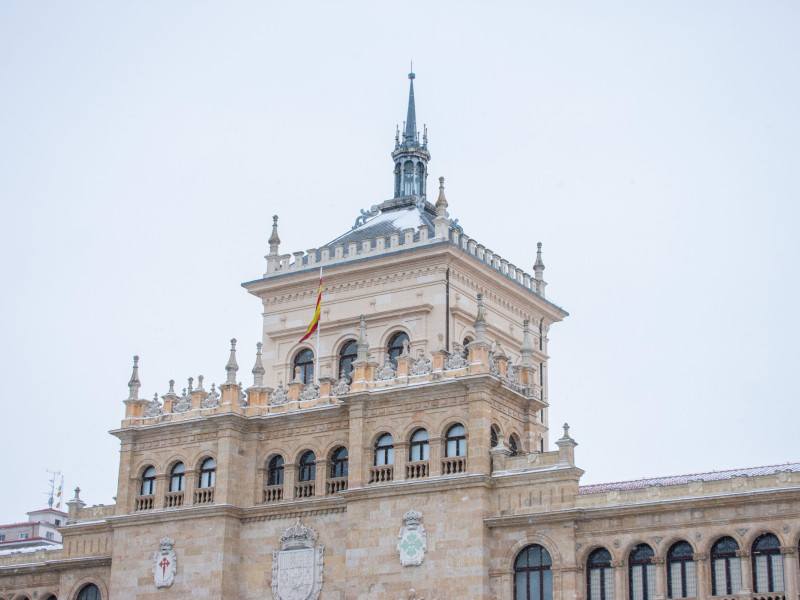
(316,371)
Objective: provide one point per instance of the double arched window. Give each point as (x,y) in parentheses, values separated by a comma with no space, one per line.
(339,463)
(347,355)
(767,564)
(148,487)
(208,473)
(419,447)
(176,478)
(456,441)
(533,579)
(304,365)
(726,568)
(395,348)
(600,576)
(641,573)
(307,469)
(89,592)
(384,450)
(275,470)
(681,571)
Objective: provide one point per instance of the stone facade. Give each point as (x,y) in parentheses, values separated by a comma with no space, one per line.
(250,489)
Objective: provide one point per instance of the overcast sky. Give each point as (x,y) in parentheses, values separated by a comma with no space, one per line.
(651,147)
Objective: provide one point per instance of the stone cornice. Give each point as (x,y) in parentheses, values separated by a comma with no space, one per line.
(57,565)
(418,486)
(176,514)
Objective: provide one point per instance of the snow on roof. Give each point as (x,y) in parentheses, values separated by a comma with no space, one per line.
(28,549)
(384,223)
(681,479)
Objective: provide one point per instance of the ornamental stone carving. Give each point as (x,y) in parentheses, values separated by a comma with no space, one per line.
(412,541)
(456,359)
(341,387)
(183,404)
(279,396)
(421,366)
(165,563)
(386,372)
(154,408)
(310,392)
(297,568)
(212,400)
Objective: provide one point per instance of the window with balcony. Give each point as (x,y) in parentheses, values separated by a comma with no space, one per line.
(395,348)
(148,486)
(307,470)
(208,473)
(176,478)
(347,355)
(304,361)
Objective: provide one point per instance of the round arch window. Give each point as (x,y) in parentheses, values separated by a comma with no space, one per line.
(726,567)
(148,482)
(641,572)
(456,441)
(533,579)
(275,471)
(419,448)
(307,467)
(304,362)
(395,347)
(339,463)
(176,478)
(347,355)
(384,450)
(681,571)
(89,592)
(208,473)
(600,575)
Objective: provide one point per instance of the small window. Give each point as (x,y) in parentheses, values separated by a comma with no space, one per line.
(493,433)
(305,362)
(419,448)
(24,536)
(600,576)
(208,473)
(726,568)
(308,468)
(681,571)
(176,478)
(89,592)
(148,482)
(2,537)
(58,522)
(533,579)
(347,355)
(275,471)
(384,450)
(395,348)
(641,573)
(456,441)
(48,535)
(339,463)
(767,564)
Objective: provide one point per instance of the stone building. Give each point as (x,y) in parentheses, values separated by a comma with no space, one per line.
(402,451)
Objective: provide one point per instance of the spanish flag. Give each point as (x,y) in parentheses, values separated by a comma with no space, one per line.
(312,327)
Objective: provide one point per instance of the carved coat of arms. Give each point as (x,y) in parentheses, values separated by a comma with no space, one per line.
(297,568)
(412,541)
(165,563)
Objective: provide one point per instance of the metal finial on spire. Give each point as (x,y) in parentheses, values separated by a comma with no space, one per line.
(134,384)
(231,368)
(411,120)
(258,369)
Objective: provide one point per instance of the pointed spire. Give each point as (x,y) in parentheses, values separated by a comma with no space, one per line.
(258,369)
(538,269)
(274,240)
(441,202)
(134,384)
(362,345)
(231,368)
(526,350)
(410,132)
(480,322)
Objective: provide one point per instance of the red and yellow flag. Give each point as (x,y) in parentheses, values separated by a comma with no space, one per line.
(312,327)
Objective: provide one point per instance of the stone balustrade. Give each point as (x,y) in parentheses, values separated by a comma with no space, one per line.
(382,474)
(454,464)
(144,502)
(273,493)
(173,499)
(204,496)
(336,485)
(304,490)
(417,469)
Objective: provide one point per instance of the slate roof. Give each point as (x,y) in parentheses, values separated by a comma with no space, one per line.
(680,479)
(389,219)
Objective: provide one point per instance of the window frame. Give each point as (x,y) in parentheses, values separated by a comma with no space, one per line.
(346,358)
(393,349)
(306,366)
(149,481)
(601,567)
(209,473)
(682,560)
(647,593)
(726,556)
(180,476)
(422,446)
(275,471)
(461,448)
(387,449)
(339,463)
(307,469)
(768,553)
(529,570)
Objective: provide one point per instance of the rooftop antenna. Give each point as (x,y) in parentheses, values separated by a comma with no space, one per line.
(52,493)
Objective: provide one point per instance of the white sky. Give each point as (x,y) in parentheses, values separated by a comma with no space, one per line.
(652,148)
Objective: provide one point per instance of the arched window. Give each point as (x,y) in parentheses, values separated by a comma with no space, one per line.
(89,592)
(307,467)
(384,450)
(493,433)
(395,348)
(339,463)
(347,355)
(681,572)
(456,441)
(275,470)
(600,575)
(418,449)
(409,174)
(51,597)
(148,482)
(533,579)
(176,478)
(513,444)
(208,473)
(641,573)
(767,564)
(467,342)
(305,362)
(726,568)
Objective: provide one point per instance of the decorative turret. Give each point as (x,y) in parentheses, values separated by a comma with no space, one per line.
(441,223)
(362,345)
(134,384)
(480,322)
(566,448)
(273,258)
(232,367)
(538,270)
(258,369)
(410,156)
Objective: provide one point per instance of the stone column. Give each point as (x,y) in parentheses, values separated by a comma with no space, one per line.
(162,487)
(435,454)
(189,486)
(478,429)
(289,478)
(661,577)
(400,459)
(620,578)
(747,571)
(703,575)
(790,570)
(321,478)
(358,467)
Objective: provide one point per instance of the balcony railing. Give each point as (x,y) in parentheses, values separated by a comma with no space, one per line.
(273,493)
(144,502)
(381,474)
(304,490)
(417,470)
(173,499)
(772,596)
(454,464)
(204,496)
(334,486)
